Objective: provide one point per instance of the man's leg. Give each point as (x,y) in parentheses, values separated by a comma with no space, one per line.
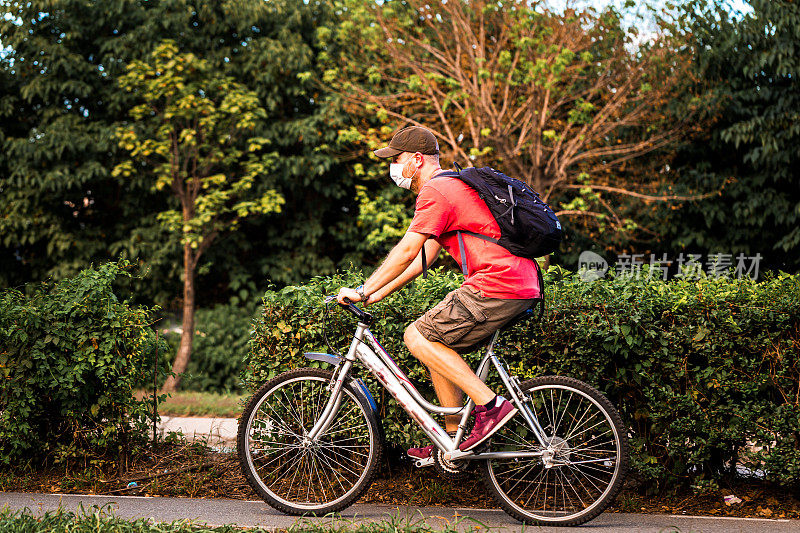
(446,362)
(449,396)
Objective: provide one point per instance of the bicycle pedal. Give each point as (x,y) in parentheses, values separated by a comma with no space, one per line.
(419,463)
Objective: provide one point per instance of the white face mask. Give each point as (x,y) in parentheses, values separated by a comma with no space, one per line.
(396,173)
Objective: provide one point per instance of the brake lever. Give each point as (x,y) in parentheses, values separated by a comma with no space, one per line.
(347,301)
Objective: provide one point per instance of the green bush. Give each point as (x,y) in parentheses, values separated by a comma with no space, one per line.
(221,340)
(220,345)
(69,355)
(699,369)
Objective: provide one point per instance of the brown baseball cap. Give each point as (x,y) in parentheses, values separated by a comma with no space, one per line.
(411,139)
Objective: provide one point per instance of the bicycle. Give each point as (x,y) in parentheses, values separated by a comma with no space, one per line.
(310,440)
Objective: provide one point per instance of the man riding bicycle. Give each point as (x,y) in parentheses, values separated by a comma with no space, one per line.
(498,285)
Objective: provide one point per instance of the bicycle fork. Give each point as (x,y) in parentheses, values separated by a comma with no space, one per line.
(333,404)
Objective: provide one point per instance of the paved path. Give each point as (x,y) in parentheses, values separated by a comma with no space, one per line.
(216,431)
(216,512)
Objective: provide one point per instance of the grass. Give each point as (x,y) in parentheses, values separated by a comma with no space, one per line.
(96,520)
(199,404)
(102,520)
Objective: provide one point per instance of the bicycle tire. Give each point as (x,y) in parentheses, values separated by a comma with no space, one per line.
(583,460)
(351,466)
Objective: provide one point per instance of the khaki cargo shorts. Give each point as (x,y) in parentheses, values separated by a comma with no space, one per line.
(464,320)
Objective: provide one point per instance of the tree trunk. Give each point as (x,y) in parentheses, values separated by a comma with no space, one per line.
(537,179)
(187,325)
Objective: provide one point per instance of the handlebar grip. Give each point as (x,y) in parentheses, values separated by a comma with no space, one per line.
(363,316)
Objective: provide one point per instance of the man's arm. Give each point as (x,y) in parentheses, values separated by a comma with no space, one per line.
(432,249)
(398,260)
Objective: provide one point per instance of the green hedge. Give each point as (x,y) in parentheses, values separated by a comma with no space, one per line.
(69,355)
(219,348)
(699,369)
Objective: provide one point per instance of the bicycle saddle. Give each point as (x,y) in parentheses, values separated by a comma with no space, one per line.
(527,314)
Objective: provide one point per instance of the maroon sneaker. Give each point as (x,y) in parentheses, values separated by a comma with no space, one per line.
(487,422)
(420,453)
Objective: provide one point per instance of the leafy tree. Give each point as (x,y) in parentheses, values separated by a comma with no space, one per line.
(60,209)
(192,135)
(60,104)
(753,63)
(571,102)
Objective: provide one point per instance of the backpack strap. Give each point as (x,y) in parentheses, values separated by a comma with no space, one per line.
(459,233)
(540,299)
(424,262)
(461,249)
(463,253)
(448,174)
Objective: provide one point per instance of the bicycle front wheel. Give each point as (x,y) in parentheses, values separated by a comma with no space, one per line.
(582,467)
(293,474)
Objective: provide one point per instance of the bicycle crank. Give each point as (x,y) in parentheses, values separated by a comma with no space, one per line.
(419,463)
(452,470)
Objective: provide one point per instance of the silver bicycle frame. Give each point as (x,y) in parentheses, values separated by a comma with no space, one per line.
(366,348)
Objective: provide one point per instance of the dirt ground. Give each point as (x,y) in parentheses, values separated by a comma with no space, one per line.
(195,471)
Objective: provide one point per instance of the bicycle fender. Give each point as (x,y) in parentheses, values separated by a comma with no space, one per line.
(359,385)
(366,399)
(324,357)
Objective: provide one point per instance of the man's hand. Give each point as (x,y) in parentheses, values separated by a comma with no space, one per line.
(373,298)
(350,294)
(353,296)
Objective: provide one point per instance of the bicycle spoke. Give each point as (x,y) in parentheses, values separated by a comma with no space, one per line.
(296,470)
(337,476)
(349,450)
(589,429)
(583,504)
(276,422)
(349,430)
(341,464)
(589,478)
(581,454)
(323,483)
(590,461)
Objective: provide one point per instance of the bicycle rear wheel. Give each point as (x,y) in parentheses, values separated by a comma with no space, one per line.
(587,451)
(289,472)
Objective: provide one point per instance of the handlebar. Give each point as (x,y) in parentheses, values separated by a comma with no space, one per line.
(360,314)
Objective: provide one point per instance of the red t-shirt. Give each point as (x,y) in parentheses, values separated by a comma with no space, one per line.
(446,204)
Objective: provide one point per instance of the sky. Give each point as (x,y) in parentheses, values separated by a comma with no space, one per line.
(736,5)
(640,16)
